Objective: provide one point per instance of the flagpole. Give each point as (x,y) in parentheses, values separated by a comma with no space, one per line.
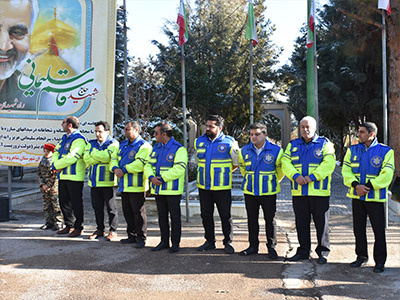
(251,84)
(384,79)
(251,34)
(185,130)
(315,74)
(125,68)
(384,93)
(310,67)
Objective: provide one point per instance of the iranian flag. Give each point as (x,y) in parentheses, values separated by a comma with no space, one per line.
(251,29)
(182,22)
(311,26)
(385,4)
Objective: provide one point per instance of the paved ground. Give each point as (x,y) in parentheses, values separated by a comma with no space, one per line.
(36,264)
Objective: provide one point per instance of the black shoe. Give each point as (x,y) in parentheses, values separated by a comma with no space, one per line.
(140,244)
(160,246)
(298,256)
(248,251)
(272,253)
(206,246)
(229,249)
(379,268)
(322,260)
(359,262)
(130,240)
(174,248)
(65,230)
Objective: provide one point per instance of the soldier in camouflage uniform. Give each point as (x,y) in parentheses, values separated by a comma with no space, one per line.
(48,183)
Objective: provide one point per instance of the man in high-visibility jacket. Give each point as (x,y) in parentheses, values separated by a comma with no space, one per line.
(102,182)
(71,169)
(368,170)
(260,164)
(309,162)
(127,163)
(217,157)
(166,170)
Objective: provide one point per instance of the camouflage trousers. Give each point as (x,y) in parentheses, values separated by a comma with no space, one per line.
(51,207)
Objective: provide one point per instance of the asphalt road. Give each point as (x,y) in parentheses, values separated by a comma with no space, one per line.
(37,264)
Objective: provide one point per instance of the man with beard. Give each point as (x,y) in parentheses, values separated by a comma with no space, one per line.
(68,163)
(368,169)
(16,25)
(97,157)
(217,158)
(309,162)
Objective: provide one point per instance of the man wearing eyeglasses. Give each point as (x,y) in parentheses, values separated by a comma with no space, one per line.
(16,25)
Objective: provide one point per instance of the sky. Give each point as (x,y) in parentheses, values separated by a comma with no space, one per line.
(147,17)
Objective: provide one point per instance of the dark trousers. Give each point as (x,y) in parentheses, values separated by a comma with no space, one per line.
(268,205)
(135,214)
(223,200)
(318,207)
(70,195)
(169,204)
(104,196)
(376,213)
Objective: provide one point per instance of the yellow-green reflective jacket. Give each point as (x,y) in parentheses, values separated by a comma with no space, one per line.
(168,161)
(214,162)
(131,158)
(98,157)
(316,160)
(374,164)
(262,173)
(68,157)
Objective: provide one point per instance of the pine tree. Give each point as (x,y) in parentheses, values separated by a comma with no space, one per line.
(217,62)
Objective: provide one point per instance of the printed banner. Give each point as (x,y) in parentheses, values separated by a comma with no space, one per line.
(57,61)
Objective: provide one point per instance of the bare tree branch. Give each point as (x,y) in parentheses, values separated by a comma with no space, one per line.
(364,20)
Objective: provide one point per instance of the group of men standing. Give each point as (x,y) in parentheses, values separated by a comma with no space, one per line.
(130,164)
(71,156)
(308,162)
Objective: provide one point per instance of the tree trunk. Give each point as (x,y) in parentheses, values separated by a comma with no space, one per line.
(393,31)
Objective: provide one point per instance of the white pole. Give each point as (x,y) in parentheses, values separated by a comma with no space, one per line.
(185,131)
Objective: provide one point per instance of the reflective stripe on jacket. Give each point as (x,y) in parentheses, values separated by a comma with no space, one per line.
(374,164)
(168,161)
(98,159)
(262,173)
(316,160)
(214,162)
(68,157)
(131,158)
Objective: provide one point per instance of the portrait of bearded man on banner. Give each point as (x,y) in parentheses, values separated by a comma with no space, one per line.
(45,65)
(16,24)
